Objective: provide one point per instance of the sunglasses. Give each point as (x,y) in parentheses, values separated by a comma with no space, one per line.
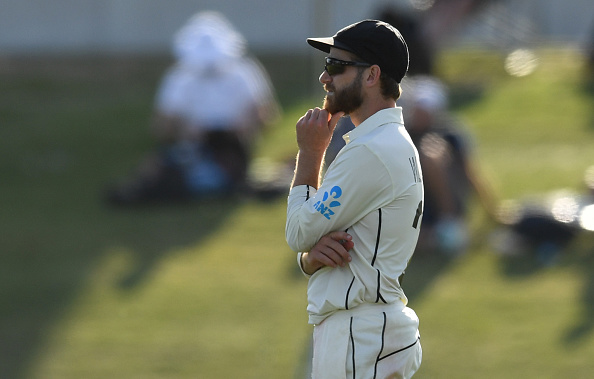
(336,66)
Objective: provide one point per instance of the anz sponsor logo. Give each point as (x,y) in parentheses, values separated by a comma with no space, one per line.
(328,202)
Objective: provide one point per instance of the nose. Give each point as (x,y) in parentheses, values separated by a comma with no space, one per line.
(325,77)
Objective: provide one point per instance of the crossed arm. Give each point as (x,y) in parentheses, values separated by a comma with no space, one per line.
(331,250)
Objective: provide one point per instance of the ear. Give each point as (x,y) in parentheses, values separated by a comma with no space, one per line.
(374,75)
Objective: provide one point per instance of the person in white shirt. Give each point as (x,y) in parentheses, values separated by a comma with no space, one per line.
(210,107)
(357,229)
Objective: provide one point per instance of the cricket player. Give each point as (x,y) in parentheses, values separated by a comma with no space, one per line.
(356,230)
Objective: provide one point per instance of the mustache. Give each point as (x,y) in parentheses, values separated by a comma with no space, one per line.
(329,89)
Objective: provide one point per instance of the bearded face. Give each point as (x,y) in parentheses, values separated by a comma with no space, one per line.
(347,99)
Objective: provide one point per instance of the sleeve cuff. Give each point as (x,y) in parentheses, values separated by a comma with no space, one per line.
(300,263)
(302,192)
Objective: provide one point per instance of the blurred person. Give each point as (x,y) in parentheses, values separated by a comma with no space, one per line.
(544,225)
(358,228)
(451,177)
(441,20)
(210,107)
(426,25)
(421,53)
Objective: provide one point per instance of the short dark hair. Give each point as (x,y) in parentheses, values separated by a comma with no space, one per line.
(389,87)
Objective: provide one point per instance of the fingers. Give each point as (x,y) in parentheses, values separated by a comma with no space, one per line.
(314,114)
(327,256)
(343,238)
(348,245)
(313,132)
(321,117)
(332,249)
(339,235)
(334,120)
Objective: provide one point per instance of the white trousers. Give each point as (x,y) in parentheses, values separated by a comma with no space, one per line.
(370,341)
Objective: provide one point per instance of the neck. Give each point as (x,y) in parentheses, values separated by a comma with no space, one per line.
(368,109)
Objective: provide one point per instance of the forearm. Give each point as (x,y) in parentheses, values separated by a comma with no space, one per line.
(332,250)
(307,169)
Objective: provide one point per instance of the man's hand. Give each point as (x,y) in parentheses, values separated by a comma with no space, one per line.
(314,130)
(331,250)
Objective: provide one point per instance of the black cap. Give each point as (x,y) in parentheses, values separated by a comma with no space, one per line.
(373,41)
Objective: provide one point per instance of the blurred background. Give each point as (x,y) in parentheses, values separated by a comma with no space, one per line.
(167,286)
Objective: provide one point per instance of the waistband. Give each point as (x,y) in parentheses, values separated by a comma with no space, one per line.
(368,308)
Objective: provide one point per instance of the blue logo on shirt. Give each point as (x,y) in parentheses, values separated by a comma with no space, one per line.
(325,205)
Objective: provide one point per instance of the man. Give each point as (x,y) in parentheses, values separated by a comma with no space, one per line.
(360,227)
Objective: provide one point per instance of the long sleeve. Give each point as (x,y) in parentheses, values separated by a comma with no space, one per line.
(348,192)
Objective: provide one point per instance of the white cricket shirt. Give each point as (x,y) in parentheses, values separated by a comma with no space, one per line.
(373,190)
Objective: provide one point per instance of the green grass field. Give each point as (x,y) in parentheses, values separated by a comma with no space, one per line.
(210,290)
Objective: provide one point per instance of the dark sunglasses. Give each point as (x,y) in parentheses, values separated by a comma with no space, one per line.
(336,66)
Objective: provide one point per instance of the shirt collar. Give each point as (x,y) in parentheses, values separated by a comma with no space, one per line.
(384,116)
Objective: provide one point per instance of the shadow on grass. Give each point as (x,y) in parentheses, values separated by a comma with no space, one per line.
(583,260)
(59,146)
(50,257)
(153,232)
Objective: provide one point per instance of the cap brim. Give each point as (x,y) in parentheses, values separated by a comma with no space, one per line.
(324,44)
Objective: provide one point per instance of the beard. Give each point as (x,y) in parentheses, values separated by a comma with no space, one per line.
(347,99)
